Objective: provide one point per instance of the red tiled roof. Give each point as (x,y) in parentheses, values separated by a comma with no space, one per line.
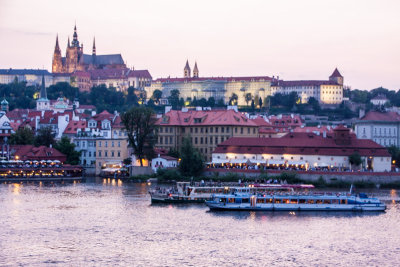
(73,126)
(311,129)
(260,121)
(29,152)
(381,116)
(303,83)
(205,117)
(228,79)
(301,143)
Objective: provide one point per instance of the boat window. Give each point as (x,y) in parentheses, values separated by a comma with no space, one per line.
(327,201)
(238,200)
(310,201)
(277,200)
(319,201)
(293,201)
(343,201)
(231,200)
(335,201)
(245,200)
(302,201)
(222,200)
(285,201)
(268,200)
(260,200)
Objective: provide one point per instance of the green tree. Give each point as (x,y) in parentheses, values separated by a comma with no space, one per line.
(23,136)
(173,99)
(66,147)
(395,153)
(44,137)
(248,97)
(62,89)
(139,122)
(157,94)
(355,159)
(211,102)
(260,102)
(253,106)
(192,163)
(233,99)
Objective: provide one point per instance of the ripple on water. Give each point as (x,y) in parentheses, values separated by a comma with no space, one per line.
(96,224)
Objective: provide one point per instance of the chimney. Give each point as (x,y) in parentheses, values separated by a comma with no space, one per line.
(324,134)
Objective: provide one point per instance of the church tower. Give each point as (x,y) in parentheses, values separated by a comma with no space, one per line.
(43,103)
(186,70)
(57,61)
(74,56)
(336,77)
(195,71)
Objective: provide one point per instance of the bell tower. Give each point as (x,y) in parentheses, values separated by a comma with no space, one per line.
(186,70)
(195,71)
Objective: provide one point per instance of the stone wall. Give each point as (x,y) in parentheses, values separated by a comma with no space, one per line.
(375,177)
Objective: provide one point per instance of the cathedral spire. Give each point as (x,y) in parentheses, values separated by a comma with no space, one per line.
(75,41)
(57,48)
(68,45)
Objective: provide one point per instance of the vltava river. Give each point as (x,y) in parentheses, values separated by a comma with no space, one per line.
(113,224)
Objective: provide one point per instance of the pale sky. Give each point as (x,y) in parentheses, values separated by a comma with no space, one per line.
(295,39)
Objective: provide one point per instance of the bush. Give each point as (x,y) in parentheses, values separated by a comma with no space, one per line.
(169,175)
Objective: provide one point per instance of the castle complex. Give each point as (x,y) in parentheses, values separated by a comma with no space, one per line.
(76,60)
(223,88)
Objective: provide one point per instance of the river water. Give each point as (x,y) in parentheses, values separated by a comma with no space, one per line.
(105,224)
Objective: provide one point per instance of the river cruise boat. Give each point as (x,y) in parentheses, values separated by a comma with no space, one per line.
(245,199)
(185,193)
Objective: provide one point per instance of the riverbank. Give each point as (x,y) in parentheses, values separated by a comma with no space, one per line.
(318,179)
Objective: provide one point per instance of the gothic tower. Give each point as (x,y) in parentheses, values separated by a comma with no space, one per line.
(336,77)
(74,54)
(57,61)
(186,70)
(195,71)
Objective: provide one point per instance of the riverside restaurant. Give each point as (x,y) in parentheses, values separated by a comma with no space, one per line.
(18,170)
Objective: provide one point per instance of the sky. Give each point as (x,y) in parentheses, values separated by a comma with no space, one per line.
(292,39)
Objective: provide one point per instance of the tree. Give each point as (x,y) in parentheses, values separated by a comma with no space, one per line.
(192,163)
(127,161)
(23,136)
(233,99)
(260,102)
(315,104)
(44,137)
(157,94)
(248,97)
(253,106)
(395,153)
(173,99)
(66,147)
(139,122)
(211,102)
(355,159)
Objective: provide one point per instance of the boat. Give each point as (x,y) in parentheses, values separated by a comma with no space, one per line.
(246,199)
(186,193)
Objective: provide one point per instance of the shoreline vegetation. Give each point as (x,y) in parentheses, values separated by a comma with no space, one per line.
(172,176)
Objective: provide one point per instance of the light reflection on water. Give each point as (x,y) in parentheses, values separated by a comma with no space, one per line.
(113,223)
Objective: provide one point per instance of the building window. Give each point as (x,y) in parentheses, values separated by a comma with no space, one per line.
(106,144)
(119,153)
(112,143)
(216,129)
(119,143)
(99,153)
(112,153)
(195,140)
(106,153)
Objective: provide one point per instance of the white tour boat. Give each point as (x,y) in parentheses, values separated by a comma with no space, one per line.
(248,199)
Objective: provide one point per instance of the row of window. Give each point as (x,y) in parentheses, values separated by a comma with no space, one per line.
(106,143)
(210,130)
(112,154)
(195,140)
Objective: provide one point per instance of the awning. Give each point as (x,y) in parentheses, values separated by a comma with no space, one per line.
(275,161)
(296,162)
(262,161)
(219,161)
(238,161)
(322,164)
